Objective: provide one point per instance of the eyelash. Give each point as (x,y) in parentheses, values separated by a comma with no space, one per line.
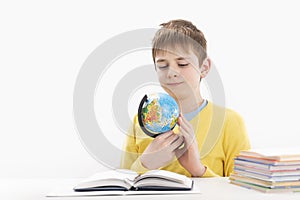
(180,65)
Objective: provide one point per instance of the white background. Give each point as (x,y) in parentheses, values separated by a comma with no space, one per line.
(254,44)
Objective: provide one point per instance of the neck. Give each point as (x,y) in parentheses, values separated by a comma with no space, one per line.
(190,104)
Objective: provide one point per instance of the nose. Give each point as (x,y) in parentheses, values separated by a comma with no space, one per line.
(173,72)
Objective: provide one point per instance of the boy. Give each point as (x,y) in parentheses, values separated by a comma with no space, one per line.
(212,135)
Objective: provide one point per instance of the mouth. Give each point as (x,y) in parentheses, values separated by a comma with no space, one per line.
(174,84)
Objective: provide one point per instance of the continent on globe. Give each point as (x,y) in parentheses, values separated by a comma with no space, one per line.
(157,113)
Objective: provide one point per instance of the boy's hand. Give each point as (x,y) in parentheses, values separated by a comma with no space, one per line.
(161,150)
(189,156)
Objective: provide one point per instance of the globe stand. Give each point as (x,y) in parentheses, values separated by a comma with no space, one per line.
(144,99)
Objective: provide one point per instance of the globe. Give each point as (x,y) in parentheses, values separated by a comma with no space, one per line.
(158,113)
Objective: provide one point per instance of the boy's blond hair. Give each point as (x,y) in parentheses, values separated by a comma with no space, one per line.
(179,34)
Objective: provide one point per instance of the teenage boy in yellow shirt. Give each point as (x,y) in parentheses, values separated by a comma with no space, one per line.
(212,135)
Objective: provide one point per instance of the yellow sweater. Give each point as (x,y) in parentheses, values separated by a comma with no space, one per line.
(220,134)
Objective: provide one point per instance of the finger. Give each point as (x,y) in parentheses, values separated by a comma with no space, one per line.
(188,138)
(171,139)
(184,133)
(184,125)
(177,143)
(180,151)
(186,122)
(180,119)
(160,140)
(164,135)
(181,122)
(183,144)
(165,143)
(175,138)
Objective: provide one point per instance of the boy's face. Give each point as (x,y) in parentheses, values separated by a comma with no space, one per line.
(178,73)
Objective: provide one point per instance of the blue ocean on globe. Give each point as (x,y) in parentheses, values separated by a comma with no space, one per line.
(159,113)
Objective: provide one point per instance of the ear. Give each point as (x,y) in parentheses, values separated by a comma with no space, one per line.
(205,67)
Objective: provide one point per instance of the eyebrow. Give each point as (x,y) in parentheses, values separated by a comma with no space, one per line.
(183,58)
(180,58)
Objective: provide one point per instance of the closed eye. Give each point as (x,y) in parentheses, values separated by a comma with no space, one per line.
(162,67)
(183,65)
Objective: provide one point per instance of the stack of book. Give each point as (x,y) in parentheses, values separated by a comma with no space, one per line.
(268,170)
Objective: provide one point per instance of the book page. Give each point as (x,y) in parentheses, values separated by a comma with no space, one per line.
(163,174)
(120,174)
(162,180)
(275,152)
(122,178)
(160,183)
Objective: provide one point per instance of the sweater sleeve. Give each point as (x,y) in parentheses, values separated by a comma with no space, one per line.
(235,140)
(130,151)
(209,173)
(138,167)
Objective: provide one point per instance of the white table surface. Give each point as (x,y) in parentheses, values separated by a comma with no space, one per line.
(211,188)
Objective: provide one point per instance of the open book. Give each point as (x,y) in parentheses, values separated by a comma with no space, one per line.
(127,180)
